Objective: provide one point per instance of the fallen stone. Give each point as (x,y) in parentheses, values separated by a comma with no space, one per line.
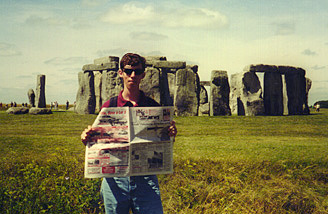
(36,111)
(17,110)
(204,109)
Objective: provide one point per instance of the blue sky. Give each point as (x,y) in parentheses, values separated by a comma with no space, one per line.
(57,38)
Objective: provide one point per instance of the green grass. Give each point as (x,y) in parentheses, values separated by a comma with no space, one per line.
(222,165)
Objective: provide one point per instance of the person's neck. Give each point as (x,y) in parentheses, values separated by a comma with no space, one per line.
(131,95)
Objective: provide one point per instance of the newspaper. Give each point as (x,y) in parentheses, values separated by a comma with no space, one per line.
(130,142)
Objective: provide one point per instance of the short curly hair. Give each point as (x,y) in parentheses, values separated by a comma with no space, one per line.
(133,60)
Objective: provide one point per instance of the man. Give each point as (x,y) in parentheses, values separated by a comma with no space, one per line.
(139,193)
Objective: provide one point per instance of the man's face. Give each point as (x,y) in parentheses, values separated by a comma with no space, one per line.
(131,80)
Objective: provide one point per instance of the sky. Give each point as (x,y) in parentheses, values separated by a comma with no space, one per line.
(57,37)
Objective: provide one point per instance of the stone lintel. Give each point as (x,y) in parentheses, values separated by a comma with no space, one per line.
(170,64)
(155,58)
(261,68)
(150,60)
(104,66)
(106,59)
(217,73)
(273,68)
(205,83)
(291,70)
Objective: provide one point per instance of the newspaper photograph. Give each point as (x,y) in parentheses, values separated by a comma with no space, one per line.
(129,142)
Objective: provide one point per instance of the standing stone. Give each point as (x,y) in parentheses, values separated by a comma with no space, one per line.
(220,90)
(306,109)
(31,97)
(171,79)
(203,96)
(85,98)
(98,86)
(296,89)
(40,91)
(284,95)
(246,94)
(150,84)
(186,96)
(273,93)
(111,84)
(166,99)
(204,108)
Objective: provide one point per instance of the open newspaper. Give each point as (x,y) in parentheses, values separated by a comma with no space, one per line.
(129,142)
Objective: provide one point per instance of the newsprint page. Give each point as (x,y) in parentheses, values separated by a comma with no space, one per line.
(130,142)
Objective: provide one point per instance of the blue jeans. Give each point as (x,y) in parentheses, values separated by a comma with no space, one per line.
(138,193)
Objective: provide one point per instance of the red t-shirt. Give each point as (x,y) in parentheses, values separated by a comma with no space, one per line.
(143,101)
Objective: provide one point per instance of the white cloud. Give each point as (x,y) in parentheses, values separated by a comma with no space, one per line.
(309,52)
(137,14)
(35,20)
(129,13)
(284,28)
(316,67)
(8,50)
(195,18)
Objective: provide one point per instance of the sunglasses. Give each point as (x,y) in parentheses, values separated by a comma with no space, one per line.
(136,71)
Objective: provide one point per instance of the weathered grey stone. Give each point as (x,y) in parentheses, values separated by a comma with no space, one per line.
(296,90)
(101,67)
(194,68)
(205,83)
(31,97)
(17,110)
(171,79)
(85,98)
(246,94)
(204,109)
(220,90)
(306,109)
(273,93)
(284,95)
(40,91)
(186,96)
(164,81)
(169,64)
(106,59)
(35,111)
(150,60)
(261,68)
(111,85)
(203,96)
(290,69)
(151,84)
(98,87)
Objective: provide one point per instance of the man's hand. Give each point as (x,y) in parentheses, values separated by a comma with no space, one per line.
(173,129)
(86,135)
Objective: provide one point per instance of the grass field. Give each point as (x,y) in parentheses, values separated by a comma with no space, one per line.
(222,165)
